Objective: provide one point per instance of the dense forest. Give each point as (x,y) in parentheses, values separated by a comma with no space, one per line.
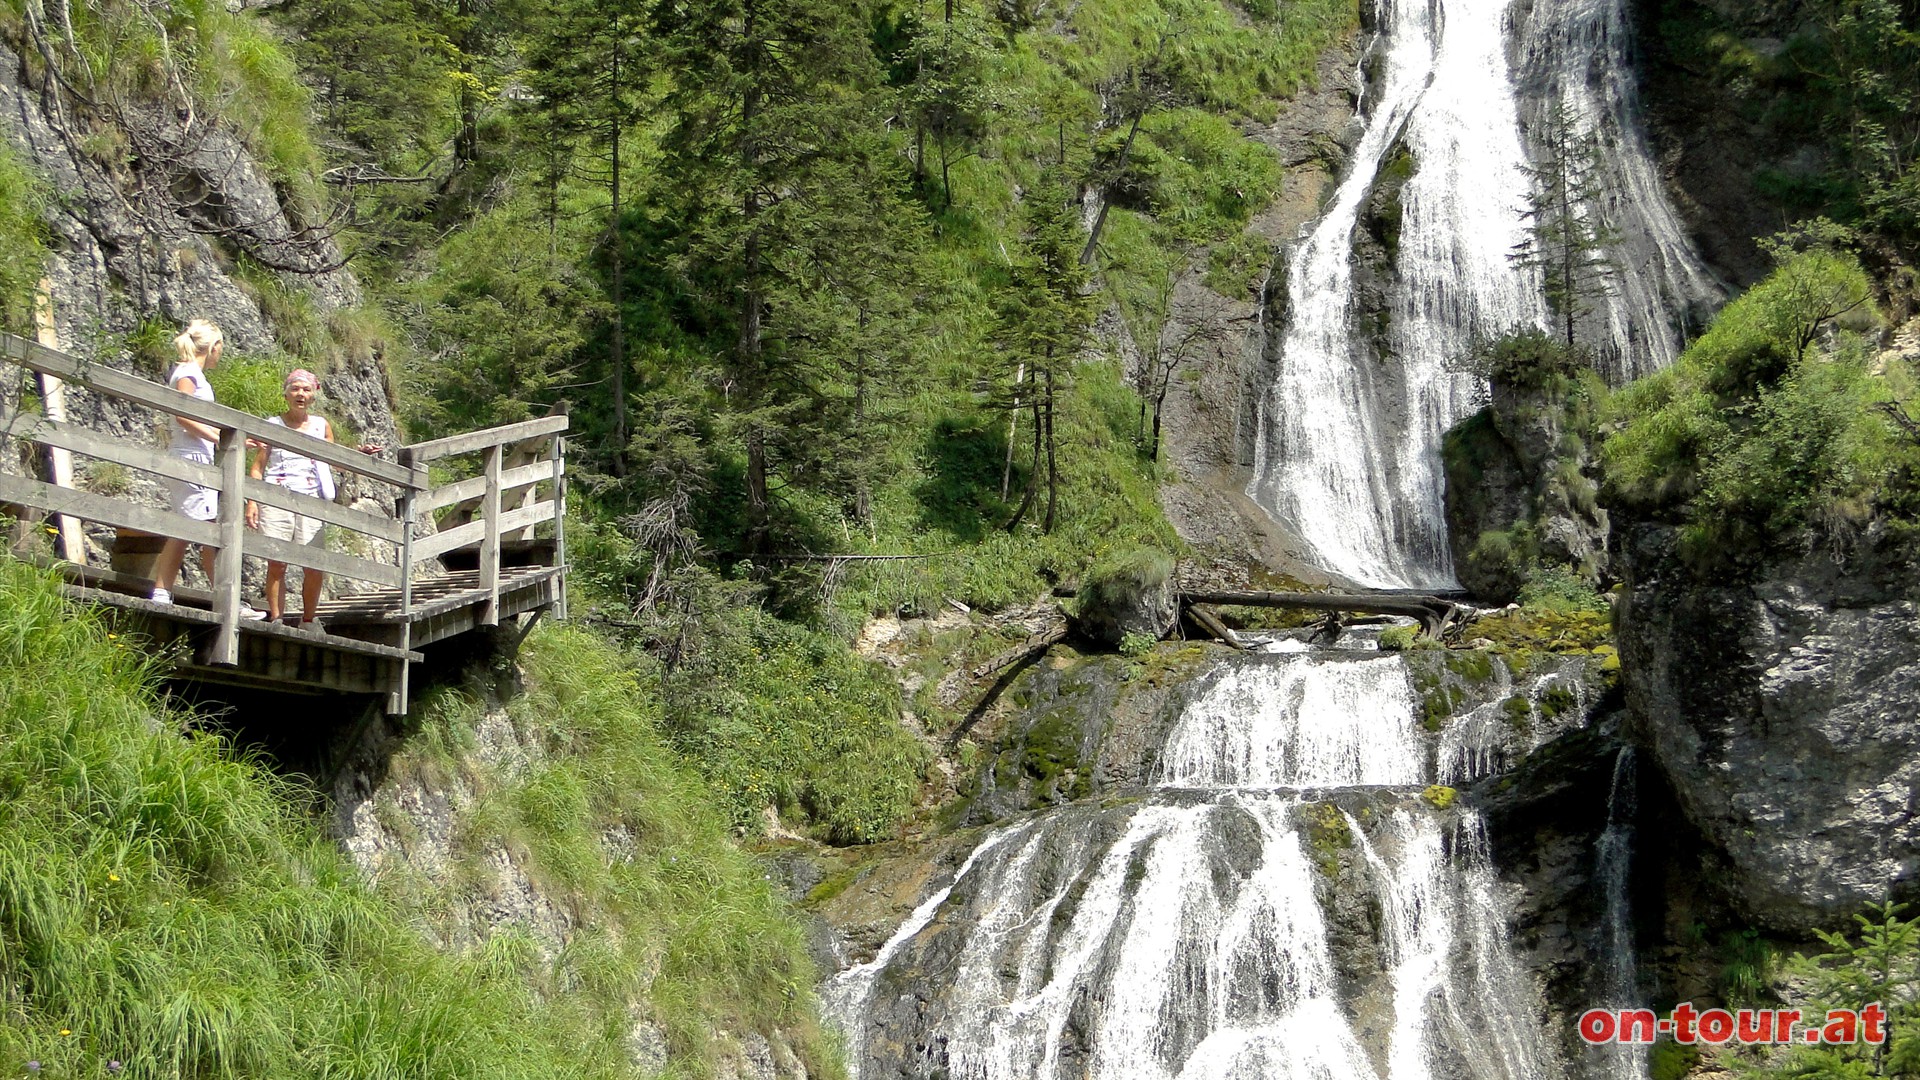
(813,279)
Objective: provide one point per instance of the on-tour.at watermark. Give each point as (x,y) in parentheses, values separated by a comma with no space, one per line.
(1685,1024)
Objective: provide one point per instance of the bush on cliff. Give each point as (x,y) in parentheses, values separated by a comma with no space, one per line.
(1773,429)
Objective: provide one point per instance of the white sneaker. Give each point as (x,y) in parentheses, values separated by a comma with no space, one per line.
(160,596)
(249,613)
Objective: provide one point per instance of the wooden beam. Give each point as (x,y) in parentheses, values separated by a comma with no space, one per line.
(1212,623)
(115,383)
(82,440)
(560,522)
(374,525)
(1432,611)
(231,457)
(53,402)
(481,440)
(460,491)
(428,547)
(327,562)
(91,507)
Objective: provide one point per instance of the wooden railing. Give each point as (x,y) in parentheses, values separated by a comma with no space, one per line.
(394,536)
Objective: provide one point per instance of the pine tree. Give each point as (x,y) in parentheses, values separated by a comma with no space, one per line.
(1566,240)
(589,90)
(776,146)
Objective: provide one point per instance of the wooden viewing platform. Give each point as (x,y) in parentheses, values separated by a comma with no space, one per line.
(372,637)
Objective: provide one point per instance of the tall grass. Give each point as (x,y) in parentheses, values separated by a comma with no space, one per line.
(167,905)
(672,916)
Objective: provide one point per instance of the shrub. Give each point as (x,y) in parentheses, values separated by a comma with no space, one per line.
(23,236)
(1760,435)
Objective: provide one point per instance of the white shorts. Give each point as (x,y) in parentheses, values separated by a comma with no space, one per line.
(287,525)
(192,500)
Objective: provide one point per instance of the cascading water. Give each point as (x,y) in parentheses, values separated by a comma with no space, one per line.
(1187,935)
(1347,448)
(1346,454)
(1621,989)
(1579,54)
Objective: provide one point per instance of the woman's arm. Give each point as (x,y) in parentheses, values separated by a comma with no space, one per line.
(194,427)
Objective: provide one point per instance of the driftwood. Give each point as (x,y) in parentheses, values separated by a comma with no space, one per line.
(1211,622)
(1432,611)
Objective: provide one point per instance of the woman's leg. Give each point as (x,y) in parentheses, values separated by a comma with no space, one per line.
(310,594)
(166,569)
(276,589)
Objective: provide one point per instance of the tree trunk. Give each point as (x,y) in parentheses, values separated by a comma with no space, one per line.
(752,313)
(1120,166)
(1033,473)
(1053,467)
(618,350)
(1013,427)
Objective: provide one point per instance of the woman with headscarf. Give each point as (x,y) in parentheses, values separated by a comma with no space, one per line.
(296,472)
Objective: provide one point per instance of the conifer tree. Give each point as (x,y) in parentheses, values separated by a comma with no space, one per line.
(589,90)
(1566,240)
(1045,313)
(775,145)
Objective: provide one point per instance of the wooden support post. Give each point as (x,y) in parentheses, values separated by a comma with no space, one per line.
(490,541)
(560,524)
(397,700)
(231,459)
(53,401)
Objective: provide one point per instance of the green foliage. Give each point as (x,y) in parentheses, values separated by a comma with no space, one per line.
(165,903)
(1557,591)
(1405,639)
(1135,644)
(1527,359)
(23,235)
(1746,968)
(1879,962)
(251,384)
(1117,579)
(1672,1060)
(673,914)
(1564,241)
(1440,796)
(779,716)
(1758,437)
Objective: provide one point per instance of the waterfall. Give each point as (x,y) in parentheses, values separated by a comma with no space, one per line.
(1621,988)
(1348,437)
(1579,54)
(1346,450)
(1188,934)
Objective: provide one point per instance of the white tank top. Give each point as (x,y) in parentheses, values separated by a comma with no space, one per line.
(184,441)
(292,471)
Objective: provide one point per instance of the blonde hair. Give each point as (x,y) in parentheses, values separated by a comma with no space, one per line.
(198,341)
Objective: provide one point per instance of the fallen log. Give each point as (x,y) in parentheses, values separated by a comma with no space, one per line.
(1432,611)
(1211,622)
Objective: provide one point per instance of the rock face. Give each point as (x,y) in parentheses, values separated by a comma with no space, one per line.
(126,272)
(1521,489)
(1785,713)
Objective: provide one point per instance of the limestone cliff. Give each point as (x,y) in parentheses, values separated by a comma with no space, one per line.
(1785,713)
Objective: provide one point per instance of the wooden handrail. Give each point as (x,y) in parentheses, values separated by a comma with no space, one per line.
(115,383)
(435,449)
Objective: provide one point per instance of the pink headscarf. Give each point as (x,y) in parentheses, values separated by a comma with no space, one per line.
(301,375)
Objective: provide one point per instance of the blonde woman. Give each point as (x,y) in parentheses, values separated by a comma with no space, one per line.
(296,472)
(199,347)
